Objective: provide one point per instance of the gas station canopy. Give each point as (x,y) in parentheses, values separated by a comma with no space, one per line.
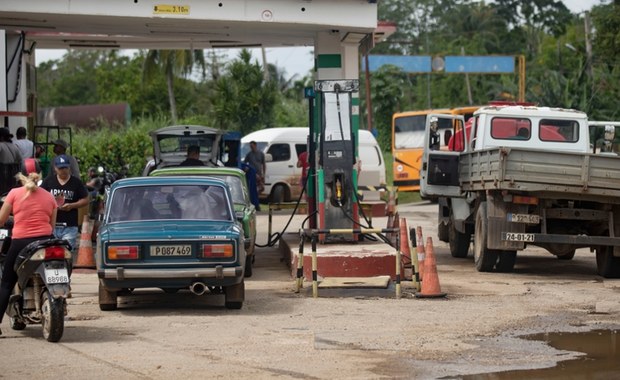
(64,24)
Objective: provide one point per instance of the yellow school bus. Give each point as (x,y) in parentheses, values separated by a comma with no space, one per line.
(408,143)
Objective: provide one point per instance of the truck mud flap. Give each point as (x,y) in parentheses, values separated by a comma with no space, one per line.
(497,227)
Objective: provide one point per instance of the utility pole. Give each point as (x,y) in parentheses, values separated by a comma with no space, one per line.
(586,21)
(469,97)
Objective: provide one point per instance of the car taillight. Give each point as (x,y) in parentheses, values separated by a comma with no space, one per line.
(124,252)
(217,250)
(54,253)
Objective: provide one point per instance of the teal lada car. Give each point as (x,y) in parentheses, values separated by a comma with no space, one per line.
(236,181)
(171,233)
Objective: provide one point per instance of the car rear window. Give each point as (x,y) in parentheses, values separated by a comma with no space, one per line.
(185,202)
(174,143)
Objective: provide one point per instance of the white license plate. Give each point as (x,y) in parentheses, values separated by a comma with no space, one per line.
(523,218)
(56,276)
(171,250)
(3,233)
(512,236)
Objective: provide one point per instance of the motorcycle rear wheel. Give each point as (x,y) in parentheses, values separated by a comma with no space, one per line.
(52,317)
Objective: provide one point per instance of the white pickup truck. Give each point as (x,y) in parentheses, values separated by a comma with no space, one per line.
(522,175)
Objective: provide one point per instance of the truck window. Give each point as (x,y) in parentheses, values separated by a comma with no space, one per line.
(507,128)
(559,130)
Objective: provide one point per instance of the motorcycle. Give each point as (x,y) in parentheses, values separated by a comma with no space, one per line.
(43,276)
(99,183)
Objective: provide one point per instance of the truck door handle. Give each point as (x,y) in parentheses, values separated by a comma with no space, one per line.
(424,166)
(290,166)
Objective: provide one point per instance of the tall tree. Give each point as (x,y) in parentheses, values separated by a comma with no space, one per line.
(70,80)
(172,63)
(243,100)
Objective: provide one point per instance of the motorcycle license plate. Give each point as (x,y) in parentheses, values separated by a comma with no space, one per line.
(3,233)
(56,276)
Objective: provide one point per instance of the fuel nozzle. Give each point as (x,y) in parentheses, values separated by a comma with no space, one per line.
(338,192)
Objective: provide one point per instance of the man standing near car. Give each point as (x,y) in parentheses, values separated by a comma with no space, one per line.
(256,159)
(70,194)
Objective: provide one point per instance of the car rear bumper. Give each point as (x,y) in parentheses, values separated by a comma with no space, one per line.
(217,273)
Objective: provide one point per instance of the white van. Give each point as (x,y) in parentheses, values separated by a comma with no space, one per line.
(282,146)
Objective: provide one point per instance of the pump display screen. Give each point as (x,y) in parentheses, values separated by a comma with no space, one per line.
(337,116)
(335,154)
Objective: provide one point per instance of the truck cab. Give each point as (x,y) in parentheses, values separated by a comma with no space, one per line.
(521,175)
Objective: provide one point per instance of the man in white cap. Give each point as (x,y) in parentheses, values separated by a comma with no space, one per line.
(60,147)
(70,194)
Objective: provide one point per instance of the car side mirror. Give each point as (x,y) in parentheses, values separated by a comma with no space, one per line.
(268,157)
(239,215)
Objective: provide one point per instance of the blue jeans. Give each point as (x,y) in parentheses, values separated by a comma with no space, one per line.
(68,233)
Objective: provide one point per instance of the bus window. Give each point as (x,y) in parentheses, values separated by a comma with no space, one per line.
(408,142)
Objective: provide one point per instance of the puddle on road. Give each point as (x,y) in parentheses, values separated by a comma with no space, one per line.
(602,359)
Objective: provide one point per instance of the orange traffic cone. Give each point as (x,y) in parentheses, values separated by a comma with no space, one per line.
(430,282)
(420,251)
(404,249)
(85,258)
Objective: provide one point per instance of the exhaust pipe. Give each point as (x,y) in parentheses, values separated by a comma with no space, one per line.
(198,288)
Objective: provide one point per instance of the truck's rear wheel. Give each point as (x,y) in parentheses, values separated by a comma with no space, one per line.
(506,262)
(607,265)
(567,256)
(484,258)
(459,242)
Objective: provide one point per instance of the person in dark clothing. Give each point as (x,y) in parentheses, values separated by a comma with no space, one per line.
(193,157)
(70,194)
(256,159)
(250,176)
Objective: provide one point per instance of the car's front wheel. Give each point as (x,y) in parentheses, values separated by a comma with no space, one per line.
(248,266)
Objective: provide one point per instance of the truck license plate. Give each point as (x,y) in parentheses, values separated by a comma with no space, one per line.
(523,218)
(512,236)
(56,276)
(171,250)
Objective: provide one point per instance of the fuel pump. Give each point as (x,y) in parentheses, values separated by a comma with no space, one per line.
(335,134)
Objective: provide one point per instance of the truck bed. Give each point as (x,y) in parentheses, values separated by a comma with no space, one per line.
(564,175)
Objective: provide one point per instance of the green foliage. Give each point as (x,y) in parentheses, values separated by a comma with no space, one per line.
(243,100)
(117,147)
(387,86)
(69,81)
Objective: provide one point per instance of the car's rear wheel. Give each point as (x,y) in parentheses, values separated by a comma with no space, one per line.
(107,299)
(278,194)
(234,295)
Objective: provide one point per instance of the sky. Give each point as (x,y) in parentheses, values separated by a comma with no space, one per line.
(300,60)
